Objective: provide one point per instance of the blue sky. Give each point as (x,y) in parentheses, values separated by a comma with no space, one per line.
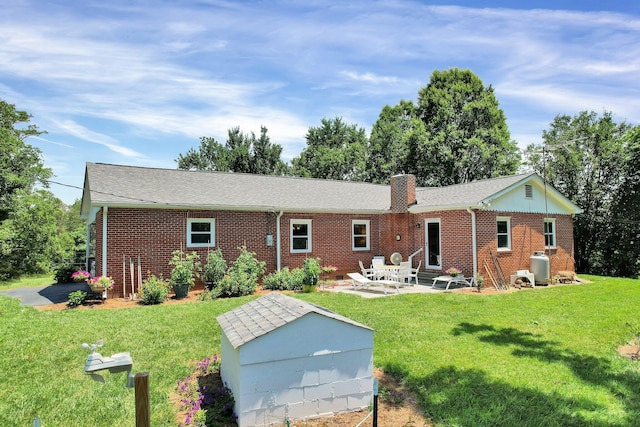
(139,82)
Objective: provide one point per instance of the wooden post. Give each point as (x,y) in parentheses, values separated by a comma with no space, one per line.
(141,384)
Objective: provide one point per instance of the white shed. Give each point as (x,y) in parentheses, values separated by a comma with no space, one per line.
(285,359)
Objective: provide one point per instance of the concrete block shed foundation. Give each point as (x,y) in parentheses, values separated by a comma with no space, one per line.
(285,359)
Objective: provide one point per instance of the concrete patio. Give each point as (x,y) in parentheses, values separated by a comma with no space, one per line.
(346,287)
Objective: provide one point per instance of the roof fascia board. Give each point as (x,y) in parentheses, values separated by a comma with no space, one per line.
(240,208)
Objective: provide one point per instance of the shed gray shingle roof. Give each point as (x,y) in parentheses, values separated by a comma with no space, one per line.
(265,314)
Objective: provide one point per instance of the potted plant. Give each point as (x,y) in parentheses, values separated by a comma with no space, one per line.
(454,271)
(81,276)
(312,271)
(214,269)
(100,285)
(479,281)
(186,268)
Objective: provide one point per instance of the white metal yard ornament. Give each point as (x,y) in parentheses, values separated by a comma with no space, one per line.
(119,362)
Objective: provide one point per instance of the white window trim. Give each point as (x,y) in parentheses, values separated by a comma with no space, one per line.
(553,233)
(506,219)
(309,241)
(367,224)
(212,221)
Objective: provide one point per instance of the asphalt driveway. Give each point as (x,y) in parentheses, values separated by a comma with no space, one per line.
(43,295)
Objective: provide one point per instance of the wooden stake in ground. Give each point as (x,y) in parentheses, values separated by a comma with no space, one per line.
(143,413)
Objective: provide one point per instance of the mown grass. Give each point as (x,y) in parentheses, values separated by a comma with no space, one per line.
(530,358)
(28,281)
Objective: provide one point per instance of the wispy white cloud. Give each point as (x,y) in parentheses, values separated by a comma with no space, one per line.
(121,74)
(85,134)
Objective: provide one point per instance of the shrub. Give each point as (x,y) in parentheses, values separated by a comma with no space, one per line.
(76,298)
(241,278)
(312,270)
(209,294)
(186,268)
(214,269)
(249,265)
(154,290)
(284,280)
(235,283)
(63,273)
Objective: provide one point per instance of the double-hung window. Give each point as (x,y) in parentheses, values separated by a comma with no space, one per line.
(300,235)
(201,232)
(360,234)
(550,233)
(503,233)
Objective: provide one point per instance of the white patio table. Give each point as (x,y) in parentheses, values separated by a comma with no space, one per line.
(387,272)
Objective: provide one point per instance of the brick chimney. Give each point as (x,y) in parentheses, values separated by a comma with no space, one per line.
(403,192)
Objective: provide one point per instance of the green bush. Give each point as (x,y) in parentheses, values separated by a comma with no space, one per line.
(236,284)
(76,298)
(209,294)
(248,264)
(63,273)
(154,290)
(284,280)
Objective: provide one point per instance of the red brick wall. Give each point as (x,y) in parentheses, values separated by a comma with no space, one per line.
(153,234)
(526,238)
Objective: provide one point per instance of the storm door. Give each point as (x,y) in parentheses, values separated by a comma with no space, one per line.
(432,243)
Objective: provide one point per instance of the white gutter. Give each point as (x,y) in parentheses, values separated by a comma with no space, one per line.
(105,211)
(278,243)
(87,249)
(474,242)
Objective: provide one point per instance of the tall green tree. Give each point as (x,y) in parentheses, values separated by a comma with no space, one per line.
(31,240)
(394,134)
(467,134)
(623,244)
(584,158)
(335,150)
(21,166)
(241,153)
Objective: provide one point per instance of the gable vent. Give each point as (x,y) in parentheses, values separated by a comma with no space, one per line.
(528,191)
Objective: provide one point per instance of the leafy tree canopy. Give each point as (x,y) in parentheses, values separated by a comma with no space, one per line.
(392,137)
(241,153)
(335,150)
(467,134)
(21,166)
(588,158)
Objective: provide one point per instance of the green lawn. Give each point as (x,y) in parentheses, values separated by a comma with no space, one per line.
(28,281)
(537,357)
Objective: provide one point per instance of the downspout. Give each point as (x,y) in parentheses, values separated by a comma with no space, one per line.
(87,249)
(278,242)
(105,211)
(474,242)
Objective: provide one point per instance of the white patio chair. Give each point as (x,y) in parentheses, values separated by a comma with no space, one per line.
(376,263)
(369,273)
(404,271)
(413,274)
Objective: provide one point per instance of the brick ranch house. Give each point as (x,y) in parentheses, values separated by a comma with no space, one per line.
(141,215)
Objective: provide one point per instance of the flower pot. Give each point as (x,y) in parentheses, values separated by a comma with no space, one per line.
(99,290)
(308,288)
(210,285)
(181,290)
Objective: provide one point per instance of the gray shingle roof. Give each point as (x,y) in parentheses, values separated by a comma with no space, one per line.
(115,185)
(265,314)
(469,194)
(131,186)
